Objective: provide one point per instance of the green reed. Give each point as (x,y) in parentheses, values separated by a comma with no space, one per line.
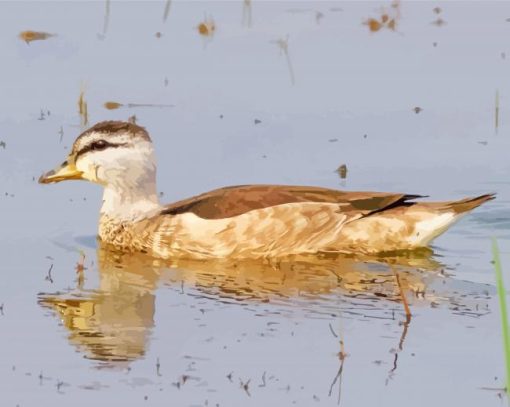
(504,310)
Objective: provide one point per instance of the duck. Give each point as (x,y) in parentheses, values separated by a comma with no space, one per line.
(243,222)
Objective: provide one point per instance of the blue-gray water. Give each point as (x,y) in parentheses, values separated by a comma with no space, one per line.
(213,328)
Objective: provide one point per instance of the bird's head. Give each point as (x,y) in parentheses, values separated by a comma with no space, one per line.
(112,154)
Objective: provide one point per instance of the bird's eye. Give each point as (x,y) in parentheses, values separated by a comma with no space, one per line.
(99,145)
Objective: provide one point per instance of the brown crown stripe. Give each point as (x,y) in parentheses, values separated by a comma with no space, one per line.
(115,127)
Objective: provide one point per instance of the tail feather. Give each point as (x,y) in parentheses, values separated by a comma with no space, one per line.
(468,204)
(446,214)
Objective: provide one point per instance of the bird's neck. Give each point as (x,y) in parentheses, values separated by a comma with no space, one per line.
(129,204)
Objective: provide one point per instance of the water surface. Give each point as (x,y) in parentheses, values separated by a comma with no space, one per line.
(132,330)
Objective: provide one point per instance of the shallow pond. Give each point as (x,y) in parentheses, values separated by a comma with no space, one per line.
(264,92)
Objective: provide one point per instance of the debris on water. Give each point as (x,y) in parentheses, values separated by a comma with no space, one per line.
(332,331)
(245,386)
(158,35)
(318,17)
(503,55)
(48,276)
(403,298)
(183,379)
(439,22)
(387,19)
(42,116)
(83,110)
(483,143)
(333,140)
(283,45)
(436,10)
(342,171)
(373,24)
(263,384)
(496,112)
(166,12)
(229,377)
(158,366)
(61,132)
(80,268)
(246,13)
(61,384)
(298,10)
(116,105)
(2,144)
(257,121)
(165,82)
(417,109)
(112,105)
(2,309)
(207,27)
(106,20)
(336,9)
(434,44)
(29,36)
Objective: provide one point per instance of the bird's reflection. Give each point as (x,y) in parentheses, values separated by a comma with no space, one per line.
(113,322)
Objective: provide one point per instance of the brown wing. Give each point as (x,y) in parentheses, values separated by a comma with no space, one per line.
(233,201)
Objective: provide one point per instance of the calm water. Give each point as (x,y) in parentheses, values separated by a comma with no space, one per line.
(131,330)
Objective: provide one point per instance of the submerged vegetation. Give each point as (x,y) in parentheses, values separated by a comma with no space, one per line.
(504,310)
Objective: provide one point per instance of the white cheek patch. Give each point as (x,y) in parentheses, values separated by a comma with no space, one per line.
(88,168)
(117,164)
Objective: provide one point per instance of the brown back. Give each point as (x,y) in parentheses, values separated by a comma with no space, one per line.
(233,201)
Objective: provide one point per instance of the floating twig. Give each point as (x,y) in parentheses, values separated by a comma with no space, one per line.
(332,331)
(263,380)
(158,366)
(48,276)
(29,36)
(405,325)
(80,268)
(338,377)
(83,110)
(245,386)
(116,105)
(168,4)
(403,297)
(283,45)
(106,22)
(246,13)
(496,112)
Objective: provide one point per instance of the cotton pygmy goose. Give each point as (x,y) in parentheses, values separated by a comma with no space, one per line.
(249,221)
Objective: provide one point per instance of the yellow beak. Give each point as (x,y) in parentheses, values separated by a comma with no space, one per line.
(62,173)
